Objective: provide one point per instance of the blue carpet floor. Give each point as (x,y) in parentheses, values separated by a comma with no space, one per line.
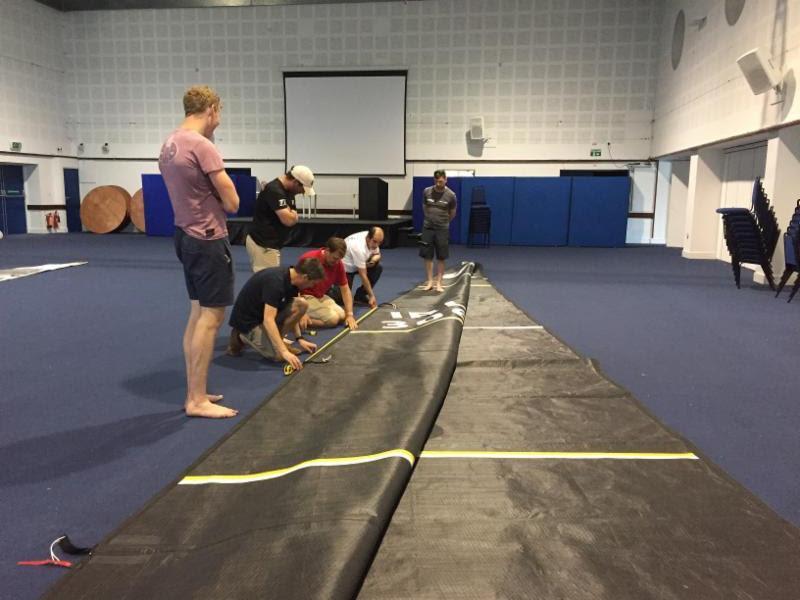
(92,381)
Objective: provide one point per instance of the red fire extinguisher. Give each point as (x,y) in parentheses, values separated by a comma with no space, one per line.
(52,220)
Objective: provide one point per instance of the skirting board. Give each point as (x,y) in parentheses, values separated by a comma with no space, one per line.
(699,255)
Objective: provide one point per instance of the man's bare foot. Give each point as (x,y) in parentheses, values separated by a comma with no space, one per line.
(438,288)
(214,397)
(427,287)
(209,410)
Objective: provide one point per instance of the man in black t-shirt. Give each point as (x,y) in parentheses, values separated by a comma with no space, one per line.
(268,307)
(274,215)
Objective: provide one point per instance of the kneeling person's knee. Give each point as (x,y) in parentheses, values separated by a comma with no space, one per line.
(334,316)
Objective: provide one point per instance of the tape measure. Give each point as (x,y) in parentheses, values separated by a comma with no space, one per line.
(289,369)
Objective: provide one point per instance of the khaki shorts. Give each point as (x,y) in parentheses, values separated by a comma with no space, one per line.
(324,309)
(261,258)
(258,338)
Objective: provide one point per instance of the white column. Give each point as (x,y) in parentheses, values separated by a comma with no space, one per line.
(706,170)
(663,178)
(676,209)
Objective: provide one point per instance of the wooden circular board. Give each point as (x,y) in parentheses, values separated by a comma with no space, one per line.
(137,210)
(105,209)
(125,194)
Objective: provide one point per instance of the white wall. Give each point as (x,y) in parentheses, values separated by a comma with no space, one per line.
(550,78)
(32,78)
(706,174)
(706,99)
(44,185)
(32,102)
(661,209)
(332,192)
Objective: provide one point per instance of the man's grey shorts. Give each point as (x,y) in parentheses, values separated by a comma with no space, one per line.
(435,239)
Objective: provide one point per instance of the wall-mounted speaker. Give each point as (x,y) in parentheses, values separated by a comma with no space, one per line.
(758,70)
(476,129)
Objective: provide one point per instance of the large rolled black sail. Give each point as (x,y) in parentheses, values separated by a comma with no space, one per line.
(294,502)
(543,479)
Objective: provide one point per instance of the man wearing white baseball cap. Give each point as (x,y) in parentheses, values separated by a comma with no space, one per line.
(274,214)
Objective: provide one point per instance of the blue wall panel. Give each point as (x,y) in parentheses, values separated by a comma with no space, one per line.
(13,217)
(541,211)
(599,211)
(158,215)
(418,186)
(499,197)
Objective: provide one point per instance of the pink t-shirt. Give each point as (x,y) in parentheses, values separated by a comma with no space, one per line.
(185,162)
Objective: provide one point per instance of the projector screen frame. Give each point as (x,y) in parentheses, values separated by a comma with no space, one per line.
(385,72)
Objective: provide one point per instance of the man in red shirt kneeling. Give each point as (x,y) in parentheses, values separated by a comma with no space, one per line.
(322,310)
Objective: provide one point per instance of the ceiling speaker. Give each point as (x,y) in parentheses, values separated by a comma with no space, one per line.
(759,71)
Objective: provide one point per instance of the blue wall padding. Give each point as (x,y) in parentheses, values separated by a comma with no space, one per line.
(599,211)
(499,198)
(541,211)
(246,188)
(417,216)
(158,216)
(418,186)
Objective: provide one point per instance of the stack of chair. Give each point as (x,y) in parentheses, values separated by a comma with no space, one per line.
(751,235)
(791,248)
(480,217)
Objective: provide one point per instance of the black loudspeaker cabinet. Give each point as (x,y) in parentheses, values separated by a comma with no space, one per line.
(373,199)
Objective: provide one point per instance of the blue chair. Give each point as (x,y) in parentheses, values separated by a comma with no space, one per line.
(751,235)
(480,217)
(478,197)
(791,249)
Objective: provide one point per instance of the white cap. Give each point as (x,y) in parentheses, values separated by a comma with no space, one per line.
(306,178)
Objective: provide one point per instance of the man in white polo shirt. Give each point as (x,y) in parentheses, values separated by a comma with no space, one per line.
(363,258)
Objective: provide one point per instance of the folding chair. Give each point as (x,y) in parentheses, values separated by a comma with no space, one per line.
(751,235)
(791,250)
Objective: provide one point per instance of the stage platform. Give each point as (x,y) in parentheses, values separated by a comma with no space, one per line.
(315,231)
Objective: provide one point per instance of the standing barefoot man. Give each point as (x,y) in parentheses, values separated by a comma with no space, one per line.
(200,192)
(439,205)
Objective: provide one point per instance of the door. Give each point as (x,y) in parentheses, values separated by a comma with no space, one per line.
(13,217)
(72,198)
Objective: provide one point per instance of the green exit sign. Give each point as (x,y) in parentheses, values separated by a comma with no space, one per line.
(16,146)
(594,152)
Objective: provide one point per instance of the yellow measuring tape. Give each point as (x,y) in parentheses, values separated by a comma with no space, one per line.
(289,369)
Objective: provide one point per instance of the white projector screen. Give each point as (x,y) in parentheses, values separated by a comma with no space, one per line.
(346,122)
